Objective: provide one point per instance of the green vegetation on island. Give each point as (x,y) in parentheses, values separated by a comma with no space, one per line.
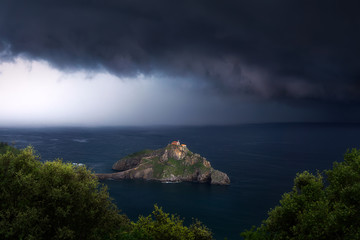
(321,206)
(57,200)
(173,163)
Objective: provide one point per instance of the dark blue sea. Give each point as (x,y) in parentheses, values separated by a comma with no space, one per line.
(260,159)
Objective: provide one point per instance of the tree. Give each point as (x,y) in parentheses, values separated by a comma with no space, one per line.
(53,200)
(317,209)
(57,200)
(163,226)
(4,147)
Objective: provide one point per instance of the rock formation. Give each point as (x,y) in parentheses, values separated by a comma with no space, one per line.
(174,163)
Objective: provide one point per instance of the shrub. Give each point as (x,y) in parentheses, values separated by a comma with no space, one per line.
(163,226)
(53,200)
(317,209)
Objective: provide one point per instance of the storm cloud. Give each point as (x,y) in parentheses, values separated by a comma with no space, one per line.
(290,50)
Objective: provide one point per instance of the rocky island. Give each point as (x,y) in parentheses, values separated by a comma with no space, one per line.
(174,163)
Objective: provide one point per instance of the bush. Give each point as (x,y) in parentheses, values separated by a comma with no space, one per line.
(4,147)
(53,200)
(317,209)
(163,226)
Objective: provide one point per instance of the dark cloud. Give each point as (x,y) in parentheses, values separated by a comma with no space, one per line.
(279,49)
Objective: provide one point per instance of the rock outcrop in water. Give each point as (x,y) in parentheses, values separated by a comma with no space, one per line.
(174,163)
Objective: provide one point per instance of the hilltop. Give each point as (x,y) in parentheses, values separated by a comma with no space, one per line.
(173,163)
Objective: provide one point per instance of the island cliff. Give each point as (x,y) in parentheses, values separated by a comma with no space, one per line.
(174,163)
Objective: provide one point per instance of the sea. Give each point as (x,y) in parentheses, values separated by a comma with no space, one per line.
(260,159)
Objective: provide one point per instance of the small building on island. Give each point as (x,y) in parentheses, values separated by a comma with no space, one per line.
(177,143)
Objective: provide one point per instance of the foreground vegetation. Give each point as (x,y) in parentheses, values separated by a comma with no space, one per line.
(5,147)
(321,206)
(56,200)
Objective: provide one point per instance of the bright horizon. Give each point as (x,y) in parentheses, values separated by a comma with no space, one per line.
(130,63)
(33,93)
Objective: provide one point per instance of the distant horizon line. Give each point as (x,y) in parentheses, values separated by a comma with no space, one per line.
(170,125)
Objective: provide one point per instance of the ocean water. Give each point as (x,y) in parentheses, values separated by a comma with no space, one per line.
(260,159)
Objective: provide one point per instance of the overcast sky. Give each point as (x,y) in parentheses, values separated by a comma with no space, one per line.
(156,62)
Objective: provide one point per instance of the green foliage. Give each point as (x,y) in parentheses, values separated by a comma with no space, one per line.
(163,226)
(170,167)
(139,153)
(174,167)
(198,165)
(56,200)
(4,147)
(317,209)
(53,200)
(158,167)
